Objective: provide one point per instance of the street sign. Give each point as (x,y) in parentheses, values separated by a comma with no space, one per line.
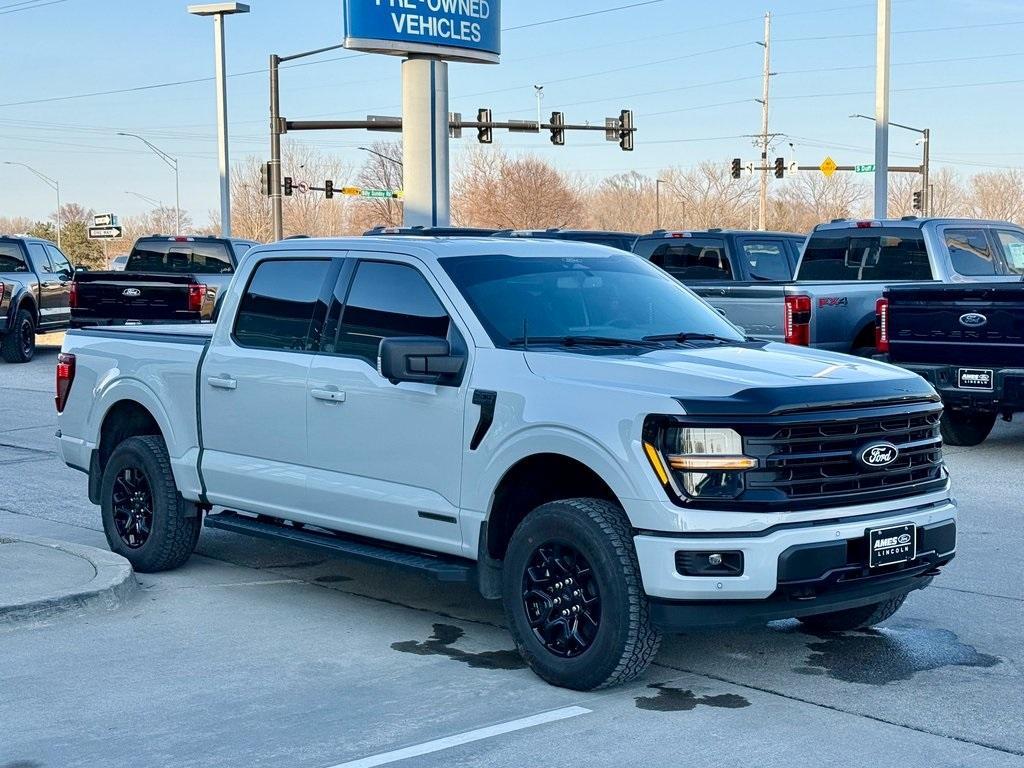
(303,187)
(828,166)
(105,233)
(867,168)
(351,191)
(458,30)
(104,220)
(376,193)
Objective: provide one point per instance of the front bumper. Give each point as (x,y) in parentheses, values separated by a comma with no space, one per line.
(776,559)
(1007,391)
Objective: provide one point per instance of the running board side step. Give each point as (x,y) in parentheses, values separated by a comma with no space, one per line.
(440,567)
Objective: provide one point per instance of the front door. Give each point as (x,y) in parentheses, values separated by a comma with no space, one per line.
(253,389)
(386,459)
(59,281)
(49,287)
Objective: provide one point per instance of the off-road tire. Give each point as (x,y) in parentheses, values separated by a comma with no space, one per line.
(19,345)
(966,429)
(625,642)
(855,618)
(176,523)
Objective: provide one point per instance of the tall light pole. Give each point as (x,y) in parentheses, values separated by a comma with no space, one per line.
(151,200)
(219,11)
(539,92)
(657,202)
(926,141)
(171,162)
(882,64)
(53,183)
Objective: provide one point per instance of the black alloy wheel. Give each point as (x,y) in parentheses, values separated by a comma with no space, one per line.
(27,338)
(561,598)
(133,507)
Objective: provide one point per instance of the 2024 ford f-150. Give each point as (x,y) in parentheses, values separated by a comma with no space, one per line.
(564,424)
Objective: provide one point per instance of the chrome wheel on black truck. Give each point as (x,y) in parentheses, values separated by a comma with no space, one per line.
(145,519)
(573,595)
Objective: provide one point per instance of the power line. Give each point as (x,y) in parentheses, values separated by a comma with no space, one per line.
(581,15)
(945,86)
(851,35)
(29,7)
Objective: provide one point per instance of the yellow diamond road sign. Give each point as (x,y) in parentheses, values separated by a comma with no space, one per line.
(828,166)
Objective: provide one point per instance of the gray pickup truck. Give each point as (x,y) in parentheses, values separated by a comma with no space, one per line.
(847,265)
(35,279)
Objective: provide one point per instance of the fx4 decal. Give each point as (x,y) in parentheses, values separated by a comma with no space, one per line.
(833,301)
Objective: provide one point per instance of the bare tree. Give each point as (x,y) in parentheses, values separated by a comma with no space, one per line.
(14,225)
(812,198)
(382,170)
(997,195)
(707,196)
(626,202)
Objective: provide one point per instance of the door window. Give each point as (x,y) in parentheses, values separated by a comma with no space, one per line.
(970,252)
(1013,250)
(59,263)
(869,253)
(767,260)
(11,259)
(283,305)
(39,258)
(689,259)
(387,299)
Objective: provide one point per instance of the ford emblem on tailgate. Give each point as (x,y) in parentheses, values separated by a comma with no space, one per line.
(879,455)
(973,320)
(132,292)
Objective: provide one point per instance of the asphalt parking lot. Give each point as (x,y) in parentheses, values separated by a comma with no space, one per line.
(257,654)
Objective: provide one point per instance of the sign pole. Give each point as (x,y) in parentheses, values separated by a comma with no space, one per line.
(425,156)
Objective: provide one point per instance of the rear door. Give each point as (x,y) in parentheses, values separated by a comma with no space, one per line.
(62,271)
(253,388)
(51,313)
(695,259)
(1011,243)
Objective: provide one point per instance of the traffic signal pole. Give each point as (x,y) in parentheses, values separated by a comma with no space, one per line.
(276,202)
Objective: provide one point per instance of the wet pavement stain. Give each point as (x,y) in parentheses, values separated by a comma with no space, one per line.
(882,656)
(671,699)
(332,578)
(439,644)
(22,764)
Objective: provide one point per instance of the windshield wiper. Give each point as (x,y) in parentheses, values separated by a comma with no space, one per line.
(685,337)
(571,341)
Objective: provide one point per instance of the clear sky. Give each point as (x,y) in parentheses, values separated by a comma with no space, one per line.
(690,71)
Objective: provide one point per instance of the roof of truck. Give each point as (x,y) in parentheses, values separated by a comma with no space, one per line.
(906,221)
(440,247)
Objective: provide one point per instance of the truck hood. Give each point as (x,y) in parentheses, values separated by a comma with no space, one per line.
(759,379)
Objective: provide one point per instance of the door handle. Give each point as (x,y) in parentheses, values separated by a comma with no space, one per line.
(328,395)
(49,285)
(222,382)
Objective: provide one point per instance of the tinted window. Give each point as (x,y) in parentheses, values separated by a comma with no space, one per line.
(278,308)
(39,257)
(1013,250)
(179,257)
(970,252)
(693,259)
(58,261)
(387,300)
(767,259)
(865,254)
(11,258)
(620,297)
(623,243)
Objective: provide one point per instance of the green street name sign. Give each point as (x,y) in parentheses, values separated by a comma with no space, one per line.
(376,193)
(864,168)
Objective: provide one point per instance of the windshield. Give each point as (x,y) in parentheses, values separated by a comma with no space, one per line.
(870,253)
(611,297)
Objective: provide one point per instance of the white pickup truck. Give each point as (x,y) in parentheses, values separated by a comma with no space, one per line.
(563,424)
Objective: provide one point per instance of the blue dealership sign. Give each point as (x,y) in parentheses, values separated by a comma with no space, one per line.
(459,30)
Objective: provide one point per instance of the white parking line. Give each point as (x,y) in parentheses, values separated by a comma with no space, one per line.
(464,738)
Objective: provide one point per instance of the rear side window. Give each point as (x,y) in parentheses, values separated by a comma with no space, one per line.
(11,258)
(1013,250)
(866,254)
(179,257)
(688,259)
(767,259)
(282,305)
(970,252)
(58,261)
(387,299)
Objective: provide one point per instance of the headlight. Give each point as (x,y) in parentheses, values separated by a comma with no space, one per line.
(704,462)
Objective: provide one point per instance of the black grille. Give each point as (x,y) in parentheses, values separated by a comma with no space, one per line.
(818,461)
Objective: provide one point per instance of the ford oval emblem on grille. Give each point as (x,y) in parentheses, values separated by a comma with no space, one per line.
(904,538)
(878,455)
(973,320)
(131,292)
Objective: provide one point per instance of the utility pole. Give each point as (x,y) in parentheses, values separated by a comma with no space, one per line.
(762,199)
(926,188)
(882,63)
(539,91)
(276,201)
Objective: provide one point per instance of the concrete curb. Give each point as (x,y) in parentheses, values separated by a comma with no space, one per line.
(113,583)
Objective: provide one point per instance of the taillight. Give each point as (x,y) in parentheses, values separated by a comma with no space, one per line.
(196,294)
(2,286)
(65,377)
(882,325)
(797,323)
(73,296)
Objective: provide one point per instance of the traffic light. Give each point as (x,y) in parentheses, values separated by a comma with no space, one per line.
(780,167)
(917,201)
(288,186)
(557,131)
(484,133)
(626,130)
(265,179)
(736,163)
(328,189)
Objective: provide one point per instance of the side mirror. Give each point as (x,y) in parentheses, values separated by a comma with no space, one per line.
(424,359)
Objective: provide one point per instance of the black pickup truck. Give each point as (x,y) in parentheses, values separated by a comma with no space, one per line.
(967,341)
(165,280)
(35,284)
